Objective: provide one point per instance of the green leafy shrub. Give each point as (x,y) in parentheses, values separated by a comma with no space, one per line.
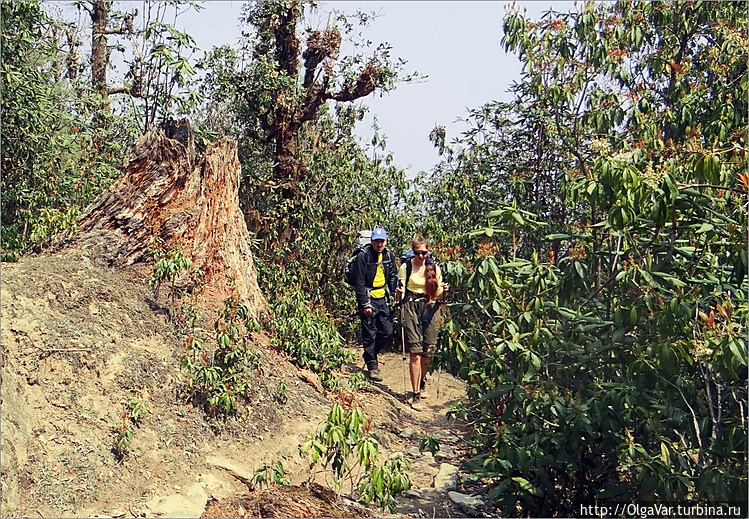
(134,409)
(429,443)
(347,453)
(385,483)
(50,222)
(270,475)
(602,329)
(359,382)
(281,393)
(51,168)
(170,267)
(219,376)
(617,408)
(309,336)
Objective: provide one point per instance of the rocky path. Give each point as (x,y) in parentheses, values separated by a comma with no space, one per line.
(438,488)
(436,479)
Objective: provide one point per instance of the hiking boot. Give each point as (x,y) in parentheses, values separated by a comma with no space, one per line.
(416,404)
(375,375)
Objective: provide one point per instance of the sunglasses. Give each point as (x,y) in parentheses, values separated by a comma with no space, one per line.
(421,252)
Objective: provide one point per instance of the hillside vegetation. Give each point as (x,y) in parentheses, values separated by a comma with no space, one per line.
(89,354)
(593,231)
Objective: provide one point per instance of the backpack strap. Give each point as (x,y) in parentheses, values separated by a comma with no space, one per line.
(409,269)
(391,260)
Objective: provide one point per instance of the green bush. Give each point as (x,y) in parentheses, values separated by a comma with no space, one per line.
(270,475)
(570,407)
(309,336)
(134,409)
(221,375)
(51,168)
(602,328)
(347,453)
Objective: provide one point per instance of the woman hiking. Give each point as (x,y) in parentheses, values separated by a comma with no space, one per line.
(420,287)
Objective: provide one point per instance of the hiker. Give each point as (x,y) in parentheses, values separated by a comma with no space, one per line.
(420,287)
(375,277)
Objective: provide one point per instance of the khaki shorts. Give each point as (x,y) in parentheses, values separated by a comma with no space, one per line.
(419,349)
(421,322)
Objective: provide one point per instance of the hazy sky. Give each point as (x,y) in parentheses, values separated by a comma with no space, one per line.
(455,43)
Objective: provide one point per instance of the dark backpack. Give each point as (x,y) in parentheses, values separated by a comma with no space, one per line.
(363,239)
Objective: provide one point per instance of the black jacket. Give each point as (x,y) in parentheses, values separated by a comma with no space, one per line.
(364,270)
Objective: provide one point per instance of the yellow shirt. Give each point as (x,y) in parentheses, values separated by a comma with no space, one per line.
(379,280)
(417,283)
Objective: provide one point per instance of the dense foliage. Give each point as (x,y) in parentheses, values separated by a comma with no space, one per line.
(49,169)
(309,336)
(608,361)
(594,230)
(63,137)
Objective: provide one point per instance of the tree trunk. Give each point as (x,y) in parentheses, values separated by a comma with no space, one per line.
(99,50)
(190,202)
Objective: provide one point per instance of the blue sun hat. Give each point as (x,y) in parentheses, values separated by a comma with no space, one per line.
(378,233)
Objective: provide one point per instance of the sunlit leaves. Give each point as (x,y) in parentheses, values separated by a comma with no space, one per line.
(349,455)
(598,331)
(50,169)
(308,335)
(222,374)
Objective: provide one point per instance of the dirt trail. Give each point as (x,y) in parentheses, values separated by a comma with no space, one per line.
(443,391)
(398,428)
(78,340)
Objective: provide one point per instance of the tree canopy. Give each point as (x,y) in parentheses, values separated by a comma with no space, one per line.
(603,329)
(594,229)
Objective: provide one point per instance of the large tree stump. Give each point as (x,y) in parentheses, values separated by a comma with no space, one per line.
(190,202)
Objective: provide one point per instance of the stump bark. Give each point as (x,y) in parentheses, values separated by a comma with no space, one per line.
(189,201)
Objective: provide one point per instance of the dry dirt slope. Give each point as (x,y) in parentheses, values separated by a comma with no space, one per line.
(78,338)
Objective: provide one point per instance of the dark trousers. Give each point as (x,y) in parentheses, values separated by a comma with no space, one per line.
(376,331)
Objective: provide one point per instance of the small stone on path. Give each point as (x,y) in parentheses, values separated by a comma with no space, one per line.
(465,502)
(447,478)
(409,433)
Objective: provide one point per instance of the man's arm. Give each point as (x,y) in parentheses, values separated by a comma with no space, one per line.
(360,283)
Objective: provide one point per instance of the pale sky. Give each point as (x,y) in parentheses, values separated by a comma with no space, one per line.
(455,43)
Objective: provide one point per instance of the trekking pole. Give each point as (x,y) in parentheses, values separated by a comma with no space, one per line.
(403,351)
(439,369)
(439,373)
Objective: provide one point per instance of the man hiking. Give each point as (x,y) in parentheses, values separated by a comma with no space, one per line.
(375,277)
